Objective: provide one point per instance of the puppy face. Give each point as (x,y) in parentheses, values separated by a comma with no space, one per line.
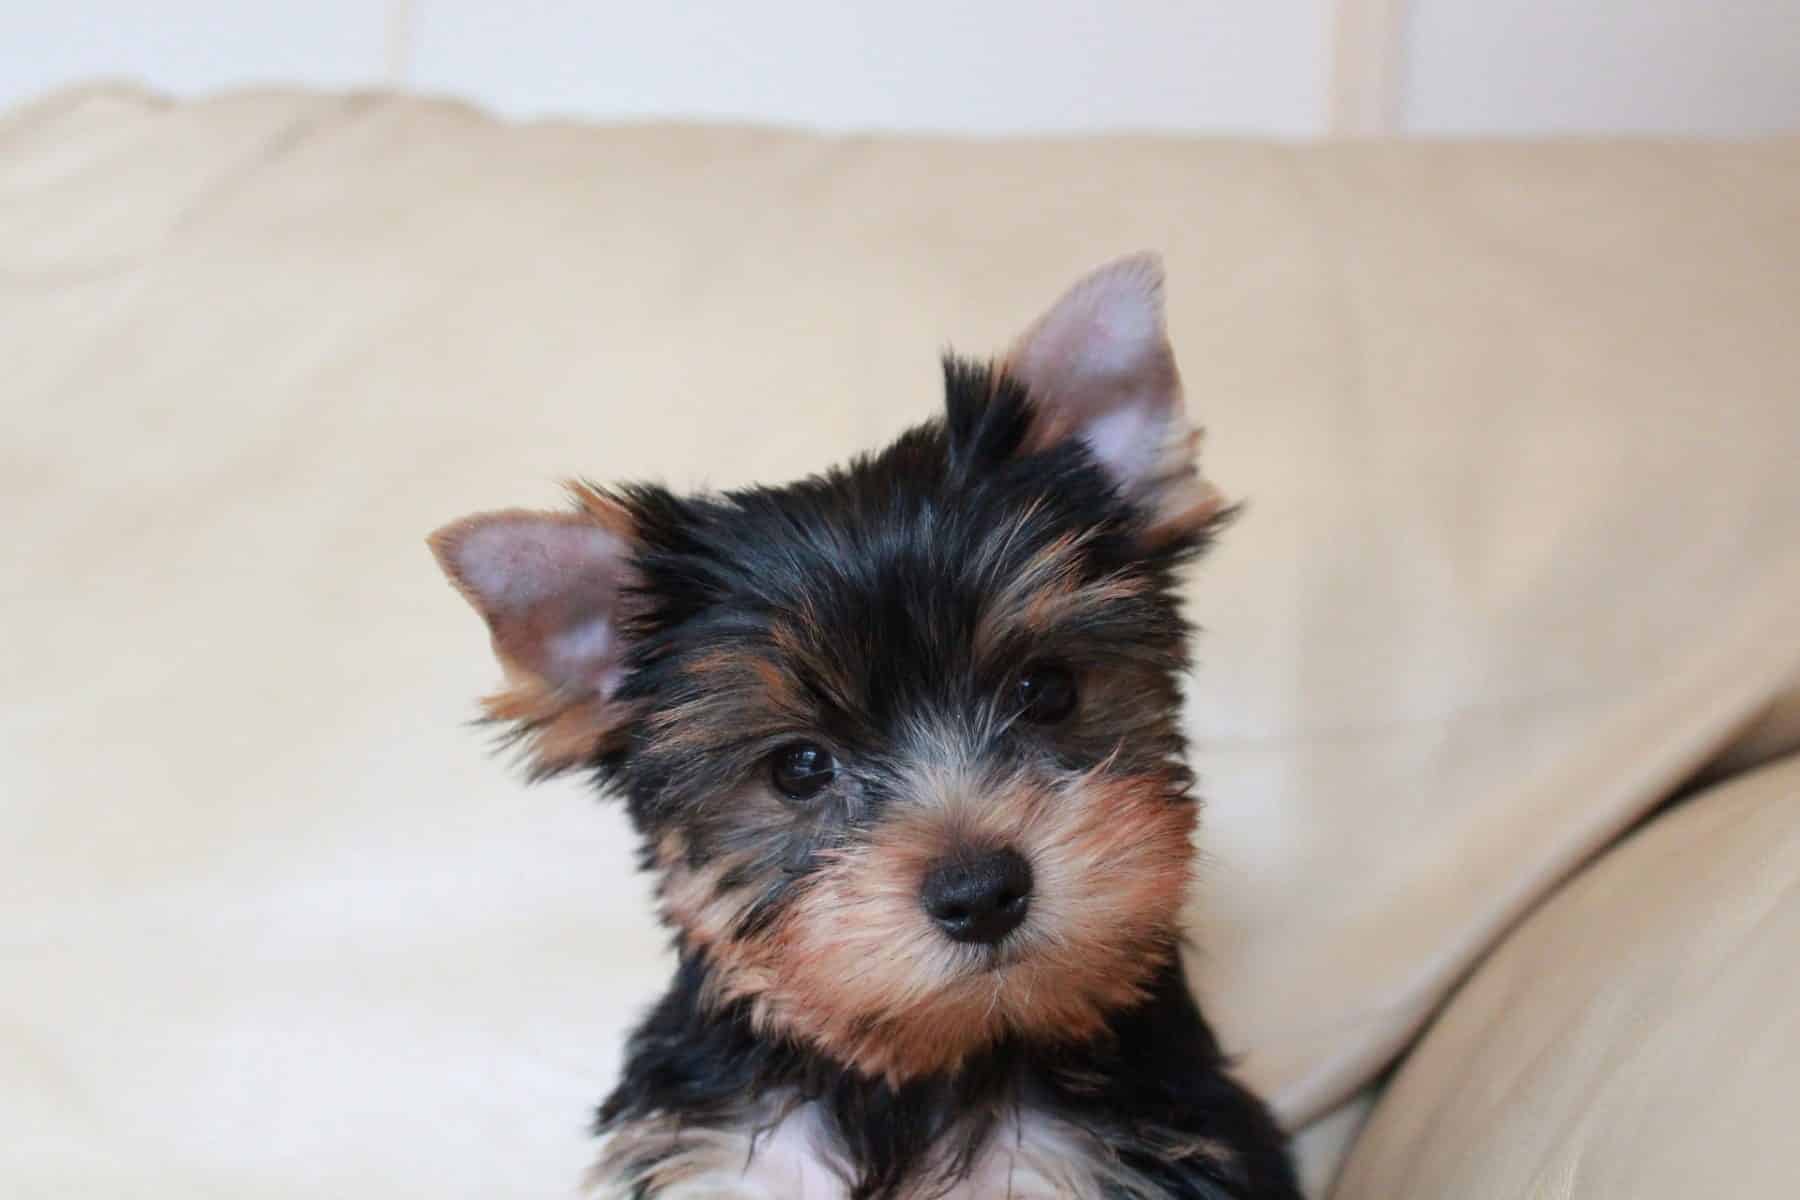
(901,739)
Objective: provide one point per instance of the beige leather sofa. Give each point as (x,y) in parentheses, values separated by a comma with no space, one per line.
(1498,711)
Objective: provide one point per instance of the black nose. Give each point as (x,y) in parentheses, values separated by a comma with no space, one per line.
(979,898)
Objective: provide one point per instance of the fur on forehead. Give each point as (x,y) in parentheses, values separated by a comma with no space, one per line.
(958,541)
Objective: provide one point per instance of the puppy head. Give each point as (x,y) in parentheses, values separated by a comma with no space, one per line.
(902,738)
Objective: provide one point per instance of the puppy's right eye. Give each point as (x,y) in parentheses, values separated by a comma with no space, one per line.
(1046,693)
(802,770)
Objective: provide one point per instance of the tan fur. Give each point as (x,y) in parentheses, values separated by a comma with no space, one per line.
(558,731)
(722,678)
(691,897)
(1183,501)
(600,508)
(1048,591)
(797,638)
(856,967)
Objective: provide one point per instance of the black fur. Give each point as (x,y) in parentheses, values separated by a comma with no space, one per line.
(1157,1081)
(893,557)
(882,570)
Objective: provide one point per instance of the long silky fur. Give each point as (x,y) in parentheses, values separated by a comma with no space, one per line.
(883,607)
(1150,1101)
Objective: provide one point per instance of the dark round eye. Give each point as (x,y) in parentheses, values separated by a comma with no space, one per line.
(1046,693)
(802,770)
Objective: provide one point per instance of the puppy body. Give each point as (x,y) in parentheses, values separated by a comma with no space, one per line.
(902,743)
(1145,1112)
(787,1152)
(1029,1157)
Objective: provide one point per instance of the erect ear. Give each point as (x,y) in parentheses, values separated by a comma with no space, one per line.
(552,588)
(1098,366)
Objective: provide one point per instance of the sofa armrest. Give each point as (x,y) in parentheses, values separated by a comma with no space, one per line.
(1637,1038)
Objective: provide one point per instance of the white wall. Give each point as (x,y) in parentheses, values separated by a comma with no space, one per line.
(1252,66)
(1288,67)
(188,45)
(1585,66)
(976,65)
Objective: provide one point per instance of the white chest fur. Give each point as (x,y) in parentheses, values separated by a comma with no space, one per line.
(1030,1157)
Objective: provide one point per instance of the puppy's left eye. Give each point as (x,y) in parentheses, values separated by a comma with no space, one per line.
(1046,693)
(802,770)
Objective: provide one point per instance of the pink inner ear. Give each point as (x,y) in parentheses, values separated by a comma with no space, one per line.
(548,586)
(1099,366)
(1127,438)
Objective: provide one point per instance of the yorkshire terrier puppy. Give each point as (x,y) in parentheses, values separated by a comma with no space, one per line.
(902,741)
